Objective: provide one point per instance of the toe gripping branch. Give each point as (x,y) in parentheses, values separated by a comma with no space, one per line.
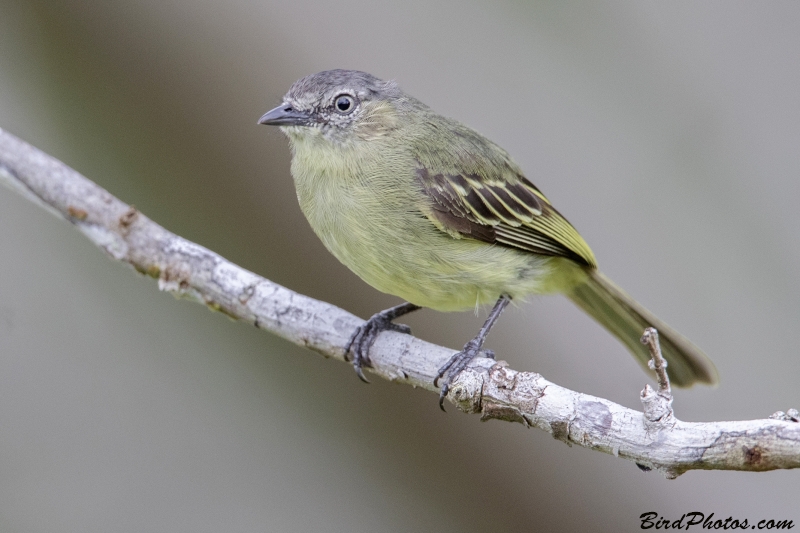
(459,361)
(364,336)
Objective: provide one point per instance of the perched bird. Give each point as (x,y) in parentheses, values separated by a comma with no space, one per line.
(422,207)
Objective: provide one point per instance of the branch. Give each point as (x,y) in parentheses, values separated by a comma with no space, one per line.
(654,439)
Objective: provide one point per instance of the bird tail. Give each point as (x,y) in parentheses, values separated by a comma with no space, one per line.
(626,319)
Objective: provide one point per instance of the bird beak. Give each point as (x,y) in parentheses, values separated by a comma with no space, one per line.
(285,115)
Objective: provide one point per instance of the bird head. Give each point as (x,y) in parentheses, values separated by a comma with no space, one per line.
(339,107)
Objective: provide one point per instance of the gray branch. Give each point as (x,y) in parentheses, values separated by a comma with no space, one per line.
(654,439)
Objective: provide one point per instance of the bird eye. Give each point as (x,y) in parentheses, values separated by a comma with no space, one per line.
(344,103)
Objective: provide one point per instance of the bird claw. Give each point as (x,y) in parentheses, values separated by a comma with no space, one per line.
(454,366)
(400,328)
(364,337)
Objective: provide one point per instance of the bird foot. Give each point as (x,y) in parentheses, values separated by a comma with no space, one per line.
(365,335)
(455,365)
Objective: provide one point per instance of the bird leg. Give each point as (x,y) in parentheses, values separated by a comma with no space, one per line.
(456,364)
(364,336)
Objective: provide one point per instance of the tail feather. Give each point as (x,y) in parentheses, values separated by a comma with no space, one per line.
(626,319)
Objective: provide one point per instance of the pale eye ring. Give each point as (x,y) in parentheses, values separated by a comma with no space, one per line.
(344,104)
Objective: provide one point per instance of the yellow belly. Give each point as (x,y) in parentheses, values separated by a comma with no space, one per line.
(372,222)
(407,256)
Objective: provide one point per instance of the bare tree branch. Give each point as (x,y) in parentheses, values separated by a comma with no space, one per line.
(654,439)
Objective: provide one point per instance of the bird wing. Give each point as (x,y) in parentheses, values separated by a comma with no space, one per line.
(508,210)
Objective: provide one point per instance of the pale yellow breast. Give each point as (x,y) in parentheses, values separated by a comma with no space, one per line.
(365,207)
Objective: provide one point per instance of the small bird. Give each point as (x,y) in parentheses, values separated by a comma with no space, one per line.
(425,208)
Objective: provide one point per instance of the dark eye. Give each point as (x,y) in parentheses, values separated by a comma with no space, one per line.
(344,103)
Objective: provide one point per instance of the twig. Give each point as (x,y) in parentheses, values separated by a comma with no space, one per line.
(657,405)
(487,387)
(657,363)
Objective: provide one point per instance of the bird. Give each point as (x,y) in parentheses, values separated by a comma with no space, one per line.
(425,208)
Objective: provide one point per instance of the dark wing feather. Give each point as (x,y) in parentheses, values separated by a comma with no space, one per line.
(509,212)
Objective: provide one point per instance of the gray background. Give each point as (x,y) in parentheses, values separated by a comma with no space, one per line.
(668,133)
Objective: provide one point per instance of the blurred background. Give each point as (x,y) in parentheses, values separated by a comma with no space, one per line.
(668,133)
